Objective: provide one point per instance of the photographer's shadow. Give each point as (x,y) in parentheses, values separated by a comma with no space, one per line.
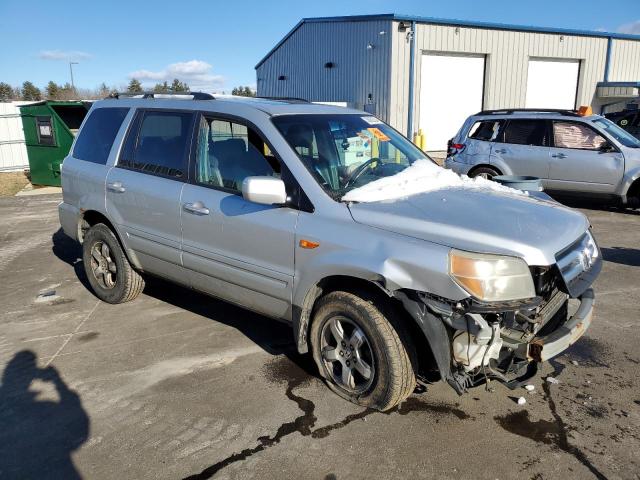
(37,436)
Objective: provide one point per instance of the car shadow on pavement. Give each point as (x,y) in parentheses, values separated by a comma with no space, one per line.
(595,204)
(274,337)
(37,433)
(622,256)
(70,251)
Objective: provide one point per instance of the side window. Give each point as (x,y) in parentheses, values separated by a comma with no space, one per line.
(526,132)
(97,136)
(577,136)
(157,143)
(45,131)
(485,130)
(228,152)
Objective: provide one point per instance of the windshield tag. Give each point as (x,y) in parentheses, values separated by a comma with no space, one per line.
(372,120)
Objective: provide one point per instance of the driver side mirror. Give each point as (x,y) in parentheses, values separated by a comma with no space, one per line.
(607,148)
(264,190)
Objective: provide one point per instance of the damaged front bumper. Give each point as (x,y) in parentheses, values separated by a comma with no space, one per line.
(544,348)
(514,354)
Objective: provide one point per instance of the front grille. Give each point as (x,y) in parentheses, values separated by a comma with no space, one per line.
(579,264)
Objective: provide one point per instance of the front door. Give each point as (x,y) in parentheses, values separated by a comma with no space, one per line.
(523,146)
(580,161)
(234,249)
(143,189)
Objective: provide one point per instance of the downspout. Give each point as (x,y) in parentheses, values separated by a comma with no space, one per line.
(607,67)
(412,76)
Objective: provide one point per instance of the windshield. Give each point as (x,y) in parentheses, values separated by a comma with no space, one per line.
(624,137)
(347,151)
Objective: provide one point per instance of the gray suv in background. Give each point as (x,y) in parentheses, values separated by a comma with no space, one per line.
(387,267)
(572,154)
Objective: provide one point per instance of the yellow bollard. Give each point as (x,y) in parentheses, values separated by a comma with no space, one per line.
(419,139)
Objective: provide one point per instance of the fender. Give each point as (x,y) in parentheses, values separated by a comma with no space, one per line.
(500,164)
(627,181)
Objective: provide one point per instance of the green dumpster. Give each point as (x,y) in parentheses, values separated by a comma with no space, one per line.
(49,129)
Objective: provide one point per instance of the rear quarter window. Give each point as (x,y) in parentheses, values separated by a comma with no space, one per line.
(97,136)
(486,130)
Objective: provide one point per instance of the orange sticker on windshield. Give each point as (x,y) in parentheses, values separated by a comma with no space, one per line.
(378,134)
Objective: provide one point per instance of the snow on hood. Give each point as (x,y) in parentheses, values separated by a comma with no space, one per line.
(420,177)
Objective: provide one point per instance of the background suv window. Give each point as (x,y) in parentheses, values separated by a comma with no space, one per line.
(228,152)
(576,135)
(98,134)
(486,130)
(526,132)
(159,145)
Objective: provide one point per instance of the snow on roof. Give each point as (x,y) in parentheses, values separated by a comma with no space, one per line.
(421,177)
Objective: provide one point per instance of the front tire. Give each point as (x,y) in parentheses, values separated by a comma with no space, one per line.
(110,274)
(363,353)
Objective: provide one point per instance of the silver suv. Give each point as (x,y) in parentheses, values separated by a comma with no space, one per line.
(572,154)
(388,267)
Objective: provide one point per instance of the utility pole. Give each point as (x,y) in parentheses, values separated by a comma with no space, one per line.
(71,71)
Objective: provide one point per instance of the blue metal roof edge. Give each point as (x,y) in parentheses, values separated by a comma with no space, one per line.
(619,84)
(450,22)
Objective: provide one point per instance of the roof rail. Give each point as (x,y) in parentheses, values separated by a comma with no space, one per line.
(509,111)
(288,99)
(195,95)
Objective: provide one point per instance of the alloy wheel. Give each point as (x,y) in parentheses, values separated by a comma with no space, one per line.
(103,267)
(347,355)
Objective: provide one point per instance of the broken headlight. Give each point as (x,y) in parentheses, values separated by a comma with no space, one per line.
(491,278)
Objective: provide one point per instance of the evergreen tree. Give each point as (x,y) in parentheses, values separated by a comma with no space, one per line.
(161,88)
(134,86)
(178,86)
(30,91)
(243,92)
(6,92)
(52,90)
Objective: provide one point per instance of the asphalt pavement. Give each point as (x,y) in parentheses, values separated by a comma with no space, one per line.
(179,385)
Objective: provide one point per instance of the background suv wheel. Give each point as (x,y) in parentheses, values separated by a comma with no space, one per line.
(110,274)
(484,172)
(363,353)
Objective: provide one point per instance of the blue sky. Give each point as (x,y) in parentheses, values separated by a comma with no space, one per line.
(215,45)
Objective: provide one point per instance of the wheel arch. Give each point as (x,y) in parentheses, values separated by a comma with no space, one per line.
(485,165)
(359,286)
(89,218)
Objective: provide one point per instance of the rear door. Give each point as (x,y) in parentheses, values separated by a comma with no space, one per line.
(577,161)
(143,189)
(523,146)
(234,249)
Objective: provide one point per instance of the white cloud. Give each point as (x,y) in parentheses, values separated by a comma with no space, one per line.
(67,56)
(633,28)
(196,73)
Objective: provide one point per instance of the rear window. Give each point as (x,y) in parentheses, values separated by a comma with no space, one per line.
(98,133)
(526,132)
(486,130)
(160,145)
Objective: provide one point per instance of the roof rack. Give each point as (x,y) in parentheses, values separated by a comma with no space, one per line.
(288,99)
(195,95)
(509,111)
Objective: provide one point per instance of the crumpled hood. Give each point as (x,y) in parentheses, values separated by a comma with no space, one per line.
(479,221)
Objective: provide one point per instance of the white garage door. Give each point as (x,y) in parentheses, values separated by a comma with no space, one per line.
(451,89)
(552,83)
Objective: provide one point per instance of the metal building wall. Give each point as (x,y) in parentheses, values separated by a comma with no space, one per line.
(507,54)
(13,152)
(625,61)
(358,70)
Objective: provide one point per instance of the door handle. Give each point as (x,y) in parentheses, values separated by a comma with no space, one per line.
(197,208)
(500,150)
(558,155)
(116,187)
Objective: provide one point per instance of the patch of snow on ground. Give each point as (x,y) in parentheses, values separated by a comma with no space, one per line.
(422,176)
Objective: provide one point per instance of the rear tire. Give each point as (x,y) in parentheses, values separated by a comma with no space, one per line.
(108,270)
(484,172)
(370,345)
